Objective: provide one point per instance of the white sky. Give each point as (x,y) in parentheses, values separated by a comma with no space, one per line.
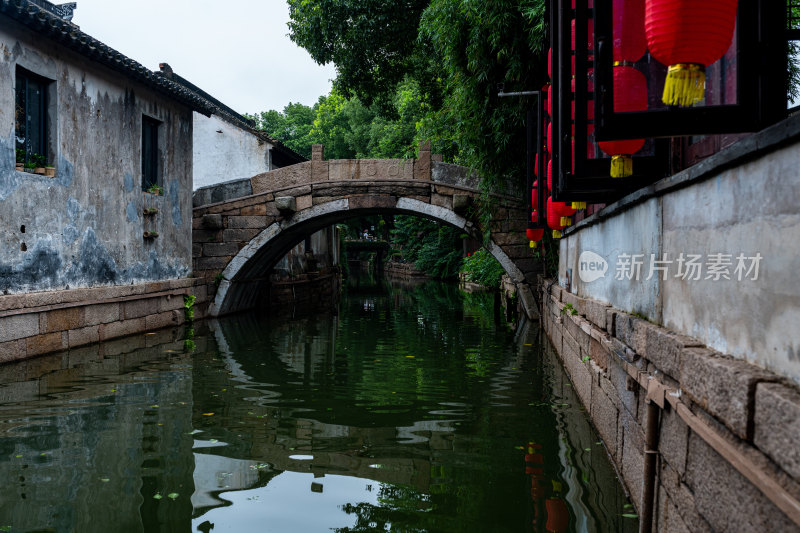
(236,50)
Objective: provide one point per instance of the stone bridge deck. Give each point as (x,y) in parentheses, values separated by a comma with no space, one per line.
(242,228)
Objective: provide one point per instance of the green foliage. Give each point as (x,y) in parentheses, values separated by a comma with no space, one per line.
(481,267)
(20,155)
(292,126)
(433,248)
(156,189)
(188,306)
(371,42)
(569,310)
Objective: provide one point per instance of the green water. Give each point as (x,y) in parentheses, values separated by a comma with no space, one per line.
(410,409)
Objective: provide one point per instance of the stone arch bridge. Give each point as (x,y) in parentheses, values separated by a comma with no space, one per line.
(242,228)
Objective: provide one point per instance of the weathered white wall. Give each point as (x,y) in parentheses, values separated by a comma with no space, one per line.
(85,226)
(748,209)
(224,152)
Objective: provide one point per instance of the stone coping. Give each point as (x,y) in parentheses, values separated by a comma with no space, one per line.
(742,151)
(32,301)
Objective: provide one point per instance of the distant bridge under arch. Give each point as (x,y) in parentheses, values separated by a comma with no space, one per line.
(241,229)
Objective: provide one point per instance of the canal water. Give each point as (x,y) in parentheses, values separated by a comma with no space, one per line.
(409,408)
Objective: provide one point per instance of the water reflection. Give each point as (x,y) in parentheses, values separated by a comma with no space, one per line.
(410,409)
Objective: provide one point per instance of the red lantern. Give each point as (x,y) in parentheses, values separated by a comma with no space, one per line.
(590,32)
(630,42)
(630,94)
(553,218)
(534,235)
(688,35)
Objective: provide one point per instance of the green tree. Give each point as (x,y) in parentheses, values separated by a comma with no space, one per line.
(371,42)
(292,126)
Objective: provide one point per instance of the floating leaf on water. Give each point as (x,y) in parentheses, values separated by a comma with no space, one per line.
(630,515)
(172,495)
(104,479)
(410,356)
(157,496)
(213,440)
(519,448)
(208,414)
(154,406)
(628,506)
(18,456)
(170,351)
(150,333)
(587,449)
(5,528)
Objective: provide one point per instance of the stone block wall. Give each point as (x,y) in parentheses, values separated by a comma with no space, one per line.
(608,354)
(44,322)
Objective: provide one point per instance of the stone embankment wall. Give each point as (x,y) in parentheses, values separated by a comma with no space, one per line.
(683,296)
(610,354)
(43,322)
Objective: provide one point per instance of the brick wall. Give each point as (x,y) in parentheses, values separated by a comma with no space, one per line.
(607,353)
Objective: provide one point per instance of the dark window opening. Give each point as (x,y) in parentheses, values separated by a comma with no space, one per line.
(30,119)
(149,152)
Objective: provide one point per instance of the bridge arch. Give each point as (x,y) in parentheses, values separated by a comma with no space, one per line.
(244,274)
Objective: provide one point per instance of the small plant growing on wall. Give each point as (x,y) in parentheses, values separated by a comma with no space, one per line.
(156,189)
(150,234)
(150,210)
(188,306)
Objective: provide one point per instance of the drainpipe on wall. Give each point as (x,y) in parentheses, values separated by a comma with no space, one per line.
(649,477)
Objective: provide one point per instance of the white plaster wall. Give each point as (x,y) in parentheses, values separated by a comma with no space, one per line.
(750,209)
(224,152)
(634,232)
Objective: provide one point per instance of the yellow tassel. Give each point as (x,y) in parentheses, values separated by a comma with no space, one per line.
(556,234)
(578,205)
(533,244)
(685,84)
(621,166)
(566,221)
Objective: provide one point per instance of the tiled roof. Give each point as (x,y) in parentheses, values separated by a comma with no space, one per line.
(69,35)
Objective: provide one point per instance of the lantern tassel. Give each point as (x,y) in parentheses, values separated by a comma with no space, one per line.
(556,234)
(621,166)
(685,84)
(578,205)
(532,244)
(566,221)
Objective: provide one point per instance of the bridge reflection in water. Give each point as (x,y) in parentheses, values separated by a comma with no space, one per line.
(411,407)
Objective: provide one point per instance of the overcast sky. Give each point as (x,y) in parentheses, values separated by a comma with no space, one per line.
(236,50)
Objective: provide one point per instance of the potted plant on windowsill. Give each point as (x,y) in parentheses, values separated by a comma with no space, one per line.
(158,190)
(29,167)
(50,171)
(20,155)
(39,163)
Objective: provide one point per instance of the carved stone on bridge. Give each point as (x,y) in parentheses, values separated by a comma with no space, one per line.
(287,205)
(422,165)
(460,202)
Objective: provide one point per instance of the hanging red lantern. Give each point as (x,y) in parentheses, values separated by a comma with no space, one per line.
(688,35)
(630,94)
(590,34)
(553,218)
(534,235)
(630,42)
